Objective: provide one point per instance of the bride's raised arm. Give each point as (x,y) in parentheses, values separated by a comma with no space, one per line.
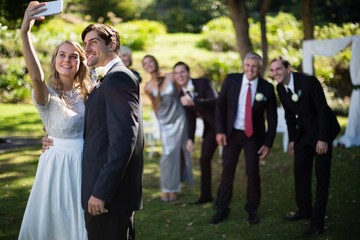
(31,60)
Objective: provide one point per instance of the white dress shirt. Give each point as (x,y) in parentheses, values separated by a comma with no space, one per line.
(111,63)
(189,88)
(291,84)
(240,115)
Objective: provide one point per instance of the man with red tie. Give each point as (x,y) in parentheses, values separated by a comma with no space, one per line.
(245,100)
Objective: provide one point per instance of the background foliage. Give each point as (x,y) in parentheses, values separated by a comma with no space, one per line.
(216,51)
(185,15)
(217,40)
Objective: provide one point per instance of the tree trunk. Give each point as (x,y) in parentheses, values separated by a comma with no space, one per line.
(306,14)
(307,17)
(239,17)
(264,44)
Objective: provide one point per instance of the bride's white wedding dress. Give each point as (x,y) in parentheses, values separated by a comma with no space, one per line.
(54,207)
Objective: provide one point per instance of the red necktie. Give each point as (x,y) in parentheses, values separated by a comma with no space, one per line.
(248,114)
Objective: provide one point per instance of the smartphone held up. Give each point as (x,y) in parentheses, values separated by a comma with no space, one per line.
(51,8)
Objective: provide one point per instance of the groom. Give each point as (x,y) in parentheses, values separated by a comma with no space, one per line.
(113,148)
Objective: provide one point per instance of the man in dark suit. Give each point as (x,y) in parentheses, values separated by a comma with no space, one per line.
(198,96)
(245,100)
(312,126)
(113,148)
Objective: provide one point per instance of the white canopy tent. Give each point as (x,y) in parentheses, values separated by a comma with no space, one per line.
(329,47)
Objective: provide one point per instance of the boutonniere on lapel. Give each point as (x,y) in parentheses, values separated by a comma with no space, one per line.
(295,96)
(100,73)
(191,91)
(259,97)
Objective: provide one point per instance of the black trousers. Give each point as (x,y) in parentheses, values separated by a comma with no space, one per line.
(208,149)
(235,143)
(303,168)
(110,226)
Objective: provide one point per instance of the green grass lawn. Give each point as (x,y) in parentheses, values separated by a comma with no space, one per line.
(19,120)
(181,220)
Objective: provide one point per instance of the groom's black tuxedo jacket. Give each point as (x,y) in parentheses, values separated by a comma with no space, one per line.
(113,148)
(204,97)
(310,118)
(227,107)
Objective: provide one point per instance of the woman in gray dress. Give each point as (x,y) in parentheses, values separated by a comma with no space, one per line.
(175,162)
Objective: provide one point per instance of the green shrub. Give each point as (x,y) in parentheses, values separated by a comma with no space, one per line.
(184,15)
(53,32)
(14,83)
(139,34)
(8,47)
(285,35)
(334,70)
(335,31)
(218,68)
(218,35)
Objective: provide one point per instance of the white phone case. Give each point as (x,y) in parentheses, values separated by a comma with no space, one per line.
(53,7)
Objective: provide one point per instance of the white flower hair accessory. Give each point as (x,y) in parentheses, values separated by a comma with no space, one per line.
(295,97)
(260,97)
(100,72)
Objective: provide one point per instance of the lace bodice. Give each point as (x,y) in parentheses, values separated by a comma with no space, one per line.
(62,120)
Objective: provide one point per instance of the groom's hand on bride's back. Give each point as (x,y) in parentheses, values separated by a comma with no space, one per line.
(46,143)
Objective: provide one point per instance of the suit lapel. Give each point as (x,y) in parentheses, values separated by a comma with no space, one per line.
(87,108)
(238,89)
(298,90)
(87,103)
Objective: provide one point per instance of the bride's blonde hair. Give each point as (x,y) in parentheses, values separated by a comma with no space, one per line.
(82,80)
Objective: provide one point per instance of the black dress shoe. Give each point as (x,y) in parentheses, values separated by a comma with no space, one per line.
(296,216)
(203,200)
(219,216)
(313,232)
(253,218)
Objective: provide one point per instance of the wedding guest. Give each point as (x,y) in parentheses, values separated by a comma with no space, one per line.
(53,210)
(244,102)
(175,162)
(125,54)
(312,127)
(198,97)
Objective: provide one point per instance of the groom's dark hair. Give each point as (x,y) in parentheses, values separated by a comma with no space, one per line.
(106,32)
